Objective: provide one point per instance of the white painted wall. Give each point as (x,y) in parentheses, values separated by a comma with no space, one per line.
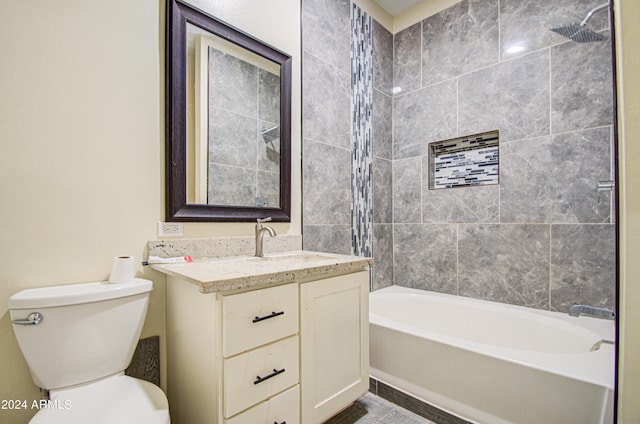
(82,142)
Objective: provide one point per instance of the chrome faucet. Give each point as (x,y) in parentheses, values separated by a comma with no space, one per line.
(260,230)
(593,311)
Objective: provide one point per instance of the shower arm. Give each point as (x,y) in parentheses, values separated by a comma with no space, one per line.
(592,11)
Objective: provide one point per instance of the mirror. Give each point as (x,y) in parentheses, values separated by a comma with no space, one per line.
(228,119)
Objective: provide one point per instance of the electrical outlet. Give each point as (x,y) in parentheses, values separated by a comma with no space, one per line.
(170,229)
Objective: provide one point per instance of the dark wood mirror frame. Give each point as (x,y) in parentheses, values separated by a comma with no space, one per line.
(179,14)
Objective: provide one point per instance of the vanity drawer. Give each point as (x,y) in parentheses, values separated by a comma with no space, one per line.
(258,317)
(259,374)
(282,408)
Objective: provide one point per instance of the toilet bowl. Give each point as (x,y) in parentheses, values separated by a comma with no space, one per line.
(77,340)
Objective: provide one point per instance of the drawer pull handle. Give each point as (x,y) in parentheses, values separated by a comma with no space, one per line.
(272,315)
(273,374)
(283,422)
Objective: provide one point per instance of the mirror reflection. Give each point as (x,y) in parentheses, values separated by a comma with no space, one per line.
(236,110)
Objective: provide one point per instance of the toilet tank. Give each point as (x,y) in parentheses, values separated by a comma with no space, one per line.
(88,331)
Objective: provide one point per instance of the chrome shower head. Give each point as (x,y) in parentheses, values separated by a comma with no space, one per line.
(579,32)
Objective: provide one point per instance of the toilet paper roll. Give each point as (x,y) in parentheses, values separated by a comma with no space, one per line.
(121,270)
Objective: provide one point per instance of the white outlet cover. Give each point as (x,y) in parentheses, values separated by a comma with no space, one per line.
(170,229)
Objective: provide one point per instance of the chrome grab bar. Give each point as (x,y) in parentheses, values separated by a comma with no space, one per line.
(34,318)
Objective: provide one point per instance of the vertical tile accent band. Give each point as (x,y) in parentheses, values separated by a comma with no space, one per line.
(361,133)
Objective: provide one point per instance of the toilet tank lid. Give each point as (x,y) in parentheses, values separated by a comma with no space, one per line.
(73,294)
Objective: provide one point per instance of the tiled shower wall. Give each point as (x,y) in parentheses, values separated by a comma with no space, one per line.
(542,237)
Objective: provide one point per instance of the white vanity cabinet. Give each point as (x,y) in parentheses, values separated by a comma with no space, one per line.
(294,353)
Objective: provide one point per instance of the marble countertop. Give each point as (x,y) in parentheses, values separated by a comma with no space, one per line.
(242,272)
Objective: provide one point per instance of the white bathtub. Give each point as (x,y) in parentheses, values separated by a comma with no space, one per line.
(493,363)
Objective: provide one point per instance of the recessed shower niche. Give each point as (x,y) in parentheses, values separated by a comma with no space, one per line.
(471,160)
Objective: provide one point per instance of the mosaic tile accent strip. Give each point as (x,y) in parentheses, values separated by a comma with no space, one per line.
(361,134)
(465,161)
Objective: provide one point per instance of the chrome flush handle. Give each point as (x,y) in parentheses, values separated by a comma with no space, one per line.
(34,318)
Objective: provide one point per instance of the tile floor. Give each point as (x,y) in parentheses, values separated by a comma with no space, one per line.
(371,409)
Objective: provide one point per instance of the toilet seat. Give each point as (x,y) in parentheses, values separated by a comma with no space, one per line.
(119,399)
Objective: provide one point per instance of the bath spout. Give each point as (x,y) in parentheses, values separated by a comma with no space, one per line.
(592,311)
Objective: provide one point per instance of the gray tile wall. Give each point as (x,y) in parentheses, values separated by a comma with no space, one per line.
(326,125)
(382,156)
(327,131)
(542,238)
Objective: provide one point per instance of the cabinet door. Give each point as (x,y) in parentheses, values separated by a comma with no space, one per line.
(334,332)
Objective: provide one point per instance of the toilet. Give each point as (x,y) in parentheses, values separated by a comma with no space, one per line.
(77,340)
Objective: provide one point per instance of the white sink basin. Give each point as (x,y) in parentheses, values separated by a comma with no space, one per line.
(296,258)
